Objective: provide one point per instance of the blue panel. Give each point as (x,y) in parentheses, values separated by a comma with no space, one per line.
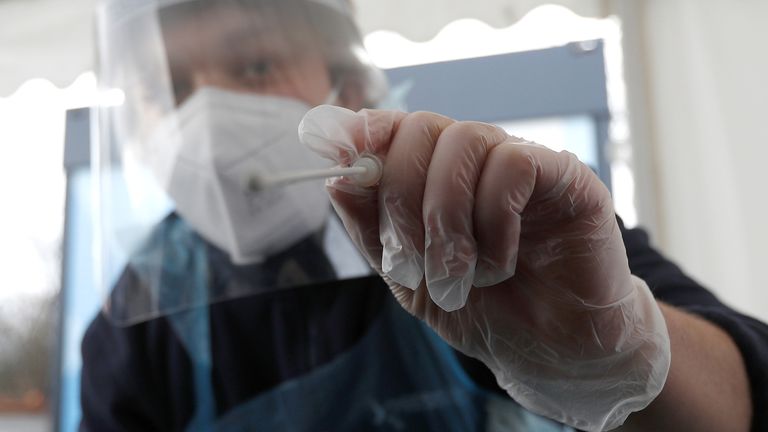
(80,299)
(561,81)
(77,151)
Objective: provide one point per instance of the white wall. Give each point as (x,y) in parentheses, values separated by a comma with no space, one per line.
(706,129)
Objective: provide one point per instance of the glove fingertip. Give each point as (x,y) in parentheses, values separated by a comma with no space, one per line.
(327,130)
(489,274)
(405,274)
(450,294)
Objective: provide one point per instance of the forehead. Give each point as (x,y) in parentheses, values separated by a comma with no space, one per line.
(226,24)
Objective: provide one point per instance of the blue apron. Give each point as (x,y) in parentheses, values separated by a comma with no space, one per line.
(399,377)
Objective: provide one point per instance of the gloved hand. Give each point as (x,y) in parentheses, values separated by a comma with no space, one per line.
(509,251)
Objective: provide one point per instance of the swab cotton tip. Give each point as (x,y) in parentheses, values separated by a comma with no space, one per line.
(372,173)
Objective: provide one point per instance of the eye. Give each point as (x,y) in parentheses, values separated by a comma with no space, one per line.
(259,69)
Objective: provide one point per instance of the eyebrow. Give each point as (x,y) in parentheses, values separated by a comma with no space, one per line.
(257,30)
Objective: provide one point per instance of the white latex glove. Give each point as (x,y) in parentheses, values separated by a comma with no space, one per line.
(509,251)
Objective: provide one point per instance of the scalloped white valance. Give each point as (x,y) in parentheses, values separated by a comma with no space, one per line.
(49,39)
(53,39)
(421,20)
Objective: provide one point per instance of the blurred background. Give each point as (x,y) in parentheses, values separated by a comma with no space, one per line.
(666,99)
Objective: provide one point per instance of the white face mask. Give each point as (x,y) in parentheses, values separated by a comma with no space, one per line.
(216,143)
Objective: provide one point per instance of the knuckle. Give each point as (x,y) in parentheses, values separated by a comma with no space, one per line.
(424,121)
(468,133)
(517,159)
(422,117)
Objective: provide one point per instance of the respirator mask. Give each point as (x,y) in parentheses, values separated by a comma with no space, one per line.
(227,138)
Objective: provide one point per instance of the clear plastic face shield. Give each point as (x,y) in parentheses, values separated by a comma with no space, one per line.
(214,92)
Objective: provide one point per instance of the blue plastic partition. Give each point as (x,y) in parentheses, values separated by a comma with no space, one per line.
(565,83)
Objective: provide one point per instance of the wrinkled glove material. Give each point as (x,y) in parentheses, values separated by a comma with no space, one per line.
(509,251)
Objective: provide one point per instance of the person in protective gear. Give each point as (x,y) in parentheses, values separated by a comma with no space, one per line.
(506,294)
